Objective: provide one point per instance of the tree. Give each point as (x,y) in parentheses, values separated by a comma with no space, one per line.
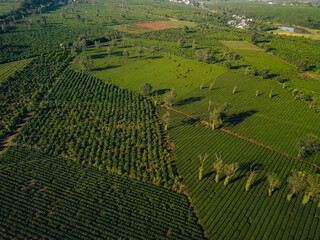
(303,65)
(86,63)
(97,44)
(194,44)
(145,89)
(254,37)
(166,119)
(313,188)
(264,73)
(180,43)
(251,178)
(202,160)
(218,167)
(307,145)
(227,64)
(230,170)
(297,183)
(170,97)
(251,71)
(75,49)
(77,16)
(125,53)
(4,27)
(273,182)
(218,115)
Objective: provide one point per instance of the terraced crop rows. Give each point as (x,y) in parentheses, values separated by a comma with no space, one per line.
(7,69)
(229,212)
(43,196)
(278,121)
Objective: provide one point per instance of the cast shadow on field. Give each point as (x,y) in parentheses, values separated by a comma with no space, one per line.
(236,118)
(154,57)
(105,68)
(190,121)
(232,180)
(248,166)
(160,92)
(256,183)
(189,100)
(99,56)
(209,174)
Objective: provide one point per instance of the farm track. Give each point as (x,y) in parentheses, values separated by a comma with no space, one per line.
(242,137)
(8,140)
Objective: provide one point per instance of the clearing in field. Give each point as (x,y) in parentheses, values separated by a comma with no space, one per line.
(240,45)
(145,27)
(162,71)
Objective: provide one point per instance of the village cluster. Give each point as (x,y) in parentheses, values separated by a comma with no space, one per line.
(243,22)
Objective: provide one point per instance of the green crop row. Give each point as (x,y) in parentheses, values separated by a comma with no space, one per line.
(47,197)
(274,117)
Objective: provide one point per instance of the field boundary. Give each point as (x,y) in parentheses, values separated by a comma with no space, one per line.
(242,137)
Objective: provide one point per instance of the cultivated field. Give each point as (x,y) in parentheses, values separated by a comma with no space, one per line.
(240,45)
(7,69)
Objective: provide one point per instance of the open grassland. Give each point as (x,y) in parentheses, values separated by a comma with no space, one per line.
(7,69)
(273,118)
(161,70)
(230,212)
(46,197)
(240,45)
(261,59)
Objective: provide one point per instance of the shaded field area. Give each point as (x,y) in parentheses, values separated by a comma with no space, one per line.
(47,197)
(230,212)
(8,69)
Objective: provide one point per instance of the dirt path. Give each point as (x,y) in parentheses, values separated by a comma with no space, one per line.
(242,137)
(8,140)
(308,75)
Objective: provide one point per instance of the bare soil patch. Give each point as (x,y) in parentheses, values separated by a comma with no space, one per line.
(153,26)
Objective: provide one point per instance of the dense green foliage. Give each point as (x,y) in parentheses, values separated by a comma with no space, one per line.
(47,197)
(230,212)
(92,122)
(28,85)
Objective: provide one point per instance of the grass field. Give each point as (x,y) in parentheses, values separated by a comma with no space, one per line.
(229,212)
(7,69)
(240,45)
(47,197)
(278,121)
(162,71)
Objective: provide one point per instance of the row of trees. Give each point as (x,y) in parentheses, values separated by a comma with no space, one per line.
(298,181)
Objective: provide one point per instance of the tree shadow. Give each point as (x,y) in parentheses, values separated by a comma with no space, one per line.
(236,179)
(272,75)
(256,183)
(239,66)
(248,165)
(105,68)
(274,95)
(189,100)
(190,121)
(154,57)
(160,92)
(209,174)
(237,118)
(99,56)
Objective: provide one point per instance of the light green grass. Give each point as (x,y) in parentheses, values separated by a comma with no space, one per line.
(261,59)
(240,45)
(7,69)
(162,71)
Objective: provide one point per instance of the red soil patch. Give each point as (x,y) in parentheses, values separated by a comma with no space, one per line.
(153,26)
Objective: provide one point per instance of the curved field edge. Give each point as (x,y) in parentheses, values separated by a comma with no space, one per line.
(229,212)
(43,196)
(8,69)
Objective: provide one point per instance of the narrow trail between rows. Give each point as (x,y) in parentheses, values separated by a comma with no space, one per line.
(241,137)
